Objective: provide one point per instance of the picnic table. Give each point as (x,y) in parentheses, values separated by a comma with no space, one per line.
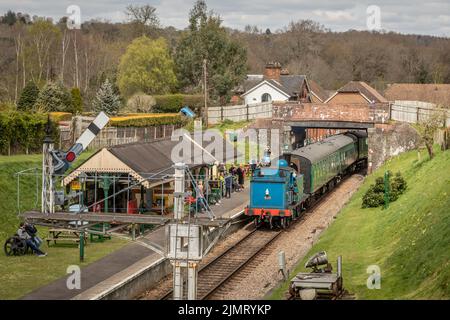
(60,234)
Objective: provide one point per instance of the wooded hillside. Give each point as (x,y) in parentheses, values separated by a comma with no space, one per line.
(41,51)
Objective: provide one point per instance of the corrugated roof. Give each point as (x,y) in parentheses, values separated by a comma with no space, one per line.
(364,89)
(318,151)
(434,93)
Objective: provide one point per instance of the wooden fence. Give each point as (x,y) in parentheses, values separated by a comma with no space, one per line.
(414,111)
(240,112)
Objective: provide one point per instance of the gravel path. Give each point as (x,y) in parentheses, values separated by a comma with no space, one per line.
(260,276)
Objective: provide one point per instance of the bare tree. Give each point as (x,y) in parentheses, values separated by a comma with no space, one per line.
(65,45)
(428,127)
(143,14)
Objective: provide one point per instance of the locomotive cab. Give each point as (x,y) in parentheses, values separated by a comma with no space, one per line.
(274,194)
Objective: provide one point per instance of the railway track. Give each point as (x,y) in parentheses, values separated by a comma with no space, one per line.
(212,275)
(228,264)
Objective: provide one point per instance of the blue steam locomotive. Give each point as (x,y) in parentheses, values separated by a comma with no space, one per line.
(279,193)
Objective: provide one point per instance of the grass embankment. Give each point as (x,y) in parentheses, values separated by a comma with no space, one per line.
(410,241)
(21,275)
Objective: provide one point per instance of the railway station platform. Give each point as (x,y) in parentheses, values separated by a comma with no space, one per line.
(102,277)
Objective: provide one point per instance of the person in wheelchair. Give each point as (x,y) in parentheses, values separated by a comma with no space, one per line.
(32,231)
(23,234)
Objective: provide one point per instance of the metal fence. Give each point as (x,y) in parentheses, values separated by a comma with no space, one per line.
(240,112)
(414,111)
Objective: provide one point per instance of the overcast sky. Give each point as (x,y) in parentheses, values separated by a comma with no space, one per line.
(405,16)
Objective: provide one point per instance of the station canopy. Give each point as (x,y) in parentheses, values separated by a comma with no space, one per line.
(150,163)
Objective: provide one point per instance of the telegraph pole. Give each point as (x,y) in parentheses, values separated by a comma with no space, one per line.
(205,93)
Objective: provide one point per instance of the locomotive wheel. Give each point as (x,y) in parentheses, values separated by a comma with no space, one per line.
(257,223)
(283,223)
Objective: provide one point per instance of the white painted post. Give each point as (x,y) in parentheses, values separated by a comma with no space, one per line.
(192,281)
(178,206)
(48,190)
(177,282)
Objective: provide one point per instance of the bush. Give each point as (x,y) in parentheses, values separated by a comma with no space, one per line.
(374,197)
(140,102)
(174,102)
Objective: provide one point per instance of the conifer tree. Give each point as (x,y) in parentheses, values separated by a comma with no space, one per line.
(77,101)
(28,97)
(53,97)
(106,99)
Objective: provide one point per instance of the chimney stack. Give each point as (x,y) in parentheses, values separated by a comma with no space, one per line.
(272,71)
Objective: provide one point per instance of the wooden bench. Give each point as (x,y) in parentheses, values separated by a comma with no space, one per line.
(64,235)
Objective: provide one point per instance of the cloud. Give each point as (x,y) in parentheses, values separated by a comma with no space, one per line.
(406,16)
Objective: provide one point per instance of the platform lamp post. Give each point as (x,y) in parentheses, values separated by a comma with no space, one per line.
(105,184)
(82,177)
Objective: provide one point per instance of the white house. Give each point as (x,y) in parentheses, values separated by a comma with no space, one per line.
(274,85)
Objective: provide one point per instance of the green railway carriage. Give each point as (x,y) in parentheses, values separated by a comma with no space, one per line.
(322,162)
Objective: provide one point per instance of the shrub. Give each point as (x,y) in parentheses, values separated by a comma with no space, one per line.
(174,102)
(374,197)
(140,102)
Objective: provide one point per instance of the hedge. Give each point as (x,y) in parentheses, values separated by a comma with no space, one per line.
(60,116)
(147,120)
(174,102)
(23,132)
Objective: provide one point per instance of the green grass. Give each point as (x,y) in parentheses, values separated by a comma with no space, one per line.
(21,275)
(410,241)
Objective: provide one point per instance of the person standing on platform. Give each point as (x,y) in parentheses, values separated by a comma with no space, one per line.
(228,185)
(240,174)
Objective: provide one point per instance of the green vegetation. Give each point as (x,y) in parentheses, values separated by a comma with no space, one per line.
(174,102)
(409,241)
(21,275)
(23,132)
(206,39)
(375,196)
(28,97)
(146,67)
(53,97)
(77,101)
(106,99)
